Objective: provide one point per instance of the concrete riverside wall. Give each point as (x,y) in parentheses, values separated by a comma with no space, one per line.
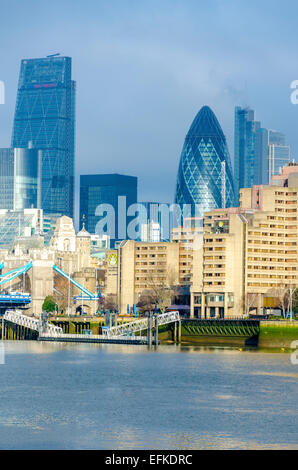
(273,334)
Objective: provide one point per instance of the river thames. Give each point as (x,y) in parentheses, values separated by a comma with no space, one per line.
(67,396)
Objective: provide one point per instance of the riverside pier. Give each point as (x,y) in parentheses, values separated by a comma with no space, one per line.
(125,333)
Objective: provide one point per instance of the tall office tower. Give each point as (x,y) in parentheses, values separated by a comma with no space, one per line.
(261,156)
(244,148)
(27,179)
(205,179)
(6,178)
(45,116)
(278,153)
(20,178)
(271,154)
(113,190)
(259,152)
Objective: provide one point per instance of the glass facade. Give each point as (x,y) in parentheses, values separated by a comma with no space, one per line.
(105,189)
(6,178)
(26,223)
(271,154)
(27,178)
(201,180)
(20,178)
(279,153)
(244,150)
(45,116)
(259,152)
(261,156)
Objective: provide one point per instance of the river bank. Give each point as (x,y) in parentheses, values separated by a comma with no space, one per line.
(267,334)
(272,334)
(277,334)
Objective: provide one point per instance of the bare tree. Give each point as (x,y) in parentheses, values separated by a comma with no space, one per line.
(146,301)
(61,293)
(109,302)
(291,300)
(282,298)
(161,290)
(250,302)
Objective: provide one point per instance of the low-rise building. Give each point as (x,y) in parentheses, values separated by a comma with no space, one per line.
(142,266)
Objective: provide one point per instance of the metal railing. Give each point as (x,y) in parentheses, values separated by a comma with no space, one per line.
(91,337)
(16,316)
(139,325)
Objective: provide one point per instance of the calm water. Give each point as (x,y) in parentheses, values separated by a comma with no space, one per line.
(56,396)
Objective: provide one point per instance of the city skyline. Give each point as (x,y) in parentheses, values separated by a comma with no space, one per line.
(146,311)
(46,92)
(39,95)
(138,93)
(24,130)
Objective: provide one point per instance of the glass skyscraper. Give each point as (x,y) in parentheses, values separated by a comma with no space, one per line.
(278,153)
(244,149)
(6,178)
(259,152)
(27,179)
(205,175)
(20,178)
(261,156)
(106,189)
(45,116)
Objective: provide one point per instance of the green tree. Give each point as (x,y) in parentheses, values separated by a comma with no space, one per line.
(49,304)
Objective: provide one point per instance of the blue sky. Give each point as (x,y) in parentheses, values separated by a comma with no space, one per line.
(145,67)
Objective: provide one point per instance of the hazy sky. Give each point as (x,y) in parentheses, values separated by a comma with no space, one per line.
(145,67)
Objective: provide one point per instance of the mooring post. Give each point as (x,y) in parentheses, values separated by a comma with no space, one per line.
(2,331)
(179,331)
(175,332)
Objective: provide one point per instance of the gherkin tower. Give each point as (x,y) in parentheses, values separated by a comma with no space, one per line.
(205,174)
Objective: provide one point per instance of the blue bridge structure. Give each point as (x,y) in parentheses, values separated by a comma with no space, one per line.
(22,300)
(13,299)
(88,295)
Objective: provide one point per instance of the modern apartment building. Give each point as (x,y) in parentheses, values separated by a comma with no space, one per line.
(143,266)
(250,253)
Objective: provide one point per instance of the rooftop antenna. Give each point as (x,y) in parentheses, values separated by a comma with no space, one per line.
(54,55)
